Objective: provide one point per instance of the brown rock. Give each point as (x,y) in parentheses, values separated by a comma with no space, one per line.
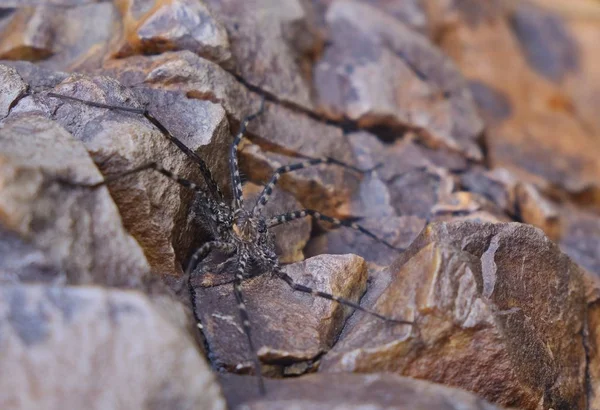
(539,211)
(81,334)
(154,209)
(593,339)
(178,25)
(521,200)
(467,206)
(380,73)
(287,326)
(272,45)
(64,232)
(72,37)
(280,132)
(531,114)
(290,238)
(500,311)
(29,34)
(348,391)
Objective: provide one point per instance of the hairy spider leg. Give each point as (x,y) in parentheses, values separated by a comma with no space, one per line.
(237,290)
(305,289)
(268,189)
(151,165)
(205,171)
(236,180)
(203,251)
(290,216)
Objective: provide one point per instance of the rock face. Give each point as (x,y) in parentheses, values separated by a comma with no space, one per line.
(79,334)
(350,391)
(287,326)
(496,305)
(67,232)
(456,119)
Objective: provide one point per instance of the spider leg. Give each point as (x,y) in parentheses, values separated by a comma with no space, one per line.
(236,180)
(290,216)
(305,289)
(204,250)
(268,189)
(237,290)
(206,174)
(151,165)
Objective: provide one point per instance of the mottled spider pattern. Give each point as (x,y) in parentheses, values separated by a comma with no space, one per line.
(240,234)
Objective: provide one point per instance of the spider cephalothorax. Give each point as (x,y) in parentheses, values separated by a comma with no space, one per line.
(241,234)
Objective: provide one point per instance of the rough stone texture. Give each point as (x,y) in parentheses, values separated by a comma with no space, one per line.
(36,77)
(287,326)
(67,232)
(378,72)
(74,37)
(532,115)
(280,132)
(366,82)
(156,27)
(349,391)
(581,238)
(64,341)
(500,311)
(149,203)
(13,88)
(291,237)
(272,44)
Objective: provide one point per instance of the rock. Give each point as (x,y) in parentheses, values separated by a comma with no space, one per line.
(29,37)
(80,334)
(531,114)
(521,200)
(379,73)
(581,238)
(280,132)
(286,136)
(13,88)
(72,37)
(290,238)
(287,326)
(154,209)
(348,391)
(36,78)
(272,44)
(499,311)
(51,231)
(413,13)
(179,25)
(467,206)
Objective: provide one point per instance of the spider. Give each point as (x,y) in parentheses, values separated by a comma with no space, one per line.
(240,234)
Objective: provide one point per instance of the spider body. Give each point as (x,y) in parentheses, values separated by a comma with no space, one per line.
(241,233)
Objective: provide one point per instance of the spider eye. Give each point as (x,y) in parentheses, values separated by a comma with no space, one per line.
(262,228)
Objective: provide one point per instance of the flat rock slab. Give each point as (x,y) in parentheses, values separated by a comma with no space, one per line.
(499,310)
(59,340)
(348,391)
(287,326)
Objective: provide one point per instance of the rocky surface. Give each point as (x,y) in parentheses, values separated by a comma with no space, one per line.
(468,116)
(75,345)
(302,329)
(349,391)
